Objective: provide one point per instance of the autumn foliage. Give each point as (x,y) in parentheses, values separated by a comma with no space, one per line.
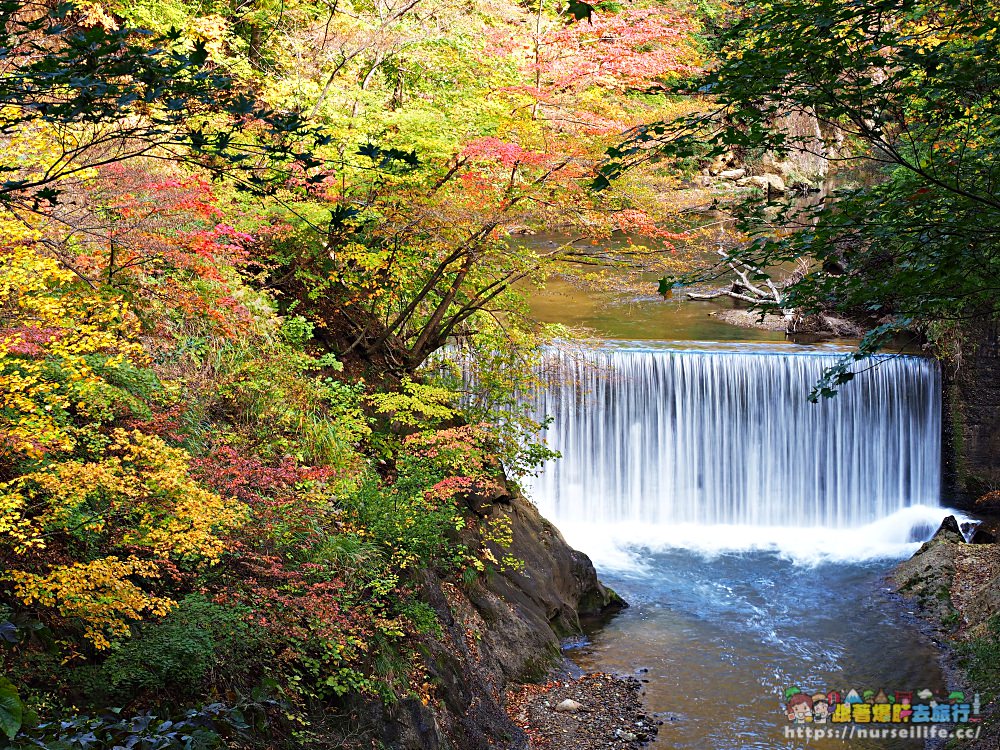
(225,469)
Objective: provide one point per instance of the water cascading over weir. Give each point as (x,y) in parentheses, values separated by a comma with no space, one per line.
(658,436)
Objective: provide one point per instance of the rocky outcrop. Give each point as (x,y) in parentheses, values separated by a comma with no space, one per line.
(956,586)
(494,633)
(927,577)
(972,415)
(810,148)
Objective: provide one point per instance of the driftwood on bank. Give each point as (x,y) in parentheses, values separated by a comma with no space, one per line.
(746,290)
(767,293)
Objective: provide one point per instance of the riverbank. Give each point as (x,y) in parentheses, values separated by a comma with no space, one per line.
(955,586)
(592,712)
(498,636)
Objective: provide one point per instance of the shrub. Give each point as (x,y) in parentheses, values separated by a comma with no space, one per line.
(980,657)
(179,652)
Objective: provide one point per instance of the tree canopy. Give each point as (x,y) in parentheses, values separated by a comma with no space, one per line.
(908,88)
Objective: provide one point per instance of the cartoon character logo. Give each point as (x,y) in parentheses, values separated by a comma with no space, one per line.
(799,708)
(820,708)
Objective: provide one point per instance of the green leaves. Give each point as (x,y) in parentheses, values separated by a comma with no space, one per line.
(907,84)
(387,158)
(11,709)
(152,91)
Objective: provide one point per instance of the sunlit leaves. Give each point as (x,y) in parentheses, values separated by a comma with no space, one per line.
(50,330)
(99,593)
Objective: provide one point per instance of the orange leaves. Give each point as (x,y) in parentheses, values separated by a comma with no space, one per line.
(634,48)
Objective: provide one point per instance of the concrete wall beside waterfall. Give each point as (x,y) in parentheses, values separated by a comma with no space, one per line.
(972,416)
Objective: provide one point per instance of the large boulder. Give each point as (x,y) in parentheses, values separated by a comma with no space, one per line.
(503,629)
(769,183)
(927,576)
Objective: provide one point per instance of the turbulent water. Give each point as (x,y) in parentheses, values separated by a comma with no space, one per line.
(722,638)
(720,447)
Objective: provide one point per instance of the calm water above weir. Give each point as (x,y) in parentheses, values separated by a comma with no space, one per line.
(616,316)
(748,528)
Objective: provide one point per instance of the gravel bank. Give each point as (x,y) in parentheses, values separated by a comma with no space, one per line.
(609,713)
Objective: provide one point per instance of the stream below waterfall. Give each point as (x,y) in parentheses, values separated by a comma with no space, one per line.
(723,637)
(749,529)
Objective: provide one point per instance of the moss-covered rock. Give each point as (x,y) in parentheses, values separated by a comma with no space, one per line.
(927,577)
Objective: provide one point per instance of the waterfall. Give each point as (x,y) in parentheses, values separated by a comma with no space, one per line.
(660,436)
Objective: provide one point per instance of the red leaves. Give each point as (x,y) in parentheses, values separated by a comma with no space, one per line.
(506,154)
(161,234)
(277,495)
(299,605)
(632,48)
(30,340)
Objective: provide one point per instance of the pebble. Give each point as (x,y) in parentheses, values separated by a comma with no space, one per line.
(569,706)
(610,714)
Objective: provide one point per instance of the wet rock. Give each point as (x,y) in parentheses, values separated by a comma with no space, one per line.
(626,736)
(484,495)
(982,536)
(949,531)
(927,576)
(504,630)
(669,716)
(971,419)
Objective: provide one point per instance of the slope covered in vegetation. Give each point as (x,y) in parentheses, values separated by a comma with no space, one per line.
(232,504)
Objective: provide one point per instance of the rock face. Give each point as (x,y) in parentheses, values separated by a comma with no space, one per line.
(809,157)
(927,577)
(501,631)
(972,416)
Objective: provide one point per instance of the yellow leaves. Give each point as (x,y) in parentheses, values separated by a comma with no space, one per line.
(93,14)
(213,30)
(139,494)
(191,531)
(49,328)
(140,486)
(417,404)
(14,524)
(98,592)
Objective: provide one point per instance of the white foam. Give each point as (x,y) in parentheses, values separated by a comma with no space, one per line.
(622,546)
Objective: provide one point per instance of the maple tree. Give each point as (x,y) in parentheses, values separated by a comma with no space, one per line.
(417,249)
